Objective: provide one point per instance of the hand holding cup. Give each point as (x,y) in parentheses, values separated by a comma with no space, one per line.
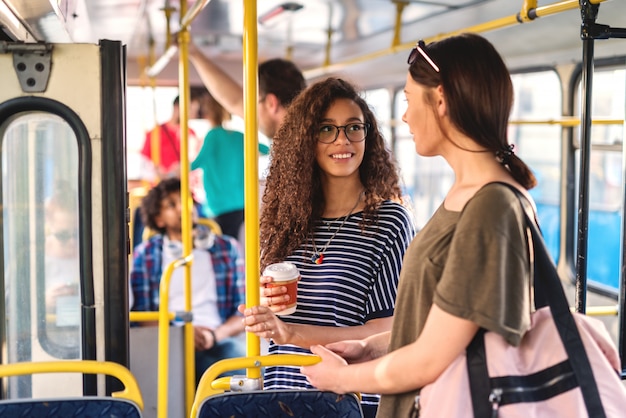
(280,288)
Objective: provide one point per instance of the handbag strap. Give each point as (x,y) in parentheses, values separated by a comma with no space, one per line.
(548,291)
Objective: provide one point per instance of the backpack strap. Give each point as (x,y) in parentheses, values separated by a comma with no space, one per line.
(548,291)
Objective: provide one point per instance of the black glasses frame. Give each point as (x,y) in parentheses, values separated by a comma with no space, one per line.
(365,126)
(420,49)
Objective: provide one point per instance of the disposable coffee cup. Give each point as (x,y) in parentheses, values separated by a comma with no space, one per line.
(285,274)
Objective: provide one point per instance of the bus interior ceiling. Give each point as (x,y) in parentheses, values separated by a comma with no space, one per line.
(301,31)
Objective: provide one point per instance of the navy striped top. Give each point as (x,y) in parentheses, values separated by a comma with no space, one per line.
(356,282)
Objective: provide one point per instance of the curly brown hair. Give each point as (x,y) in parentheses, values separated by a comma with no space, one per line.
(293,199)
(151,203)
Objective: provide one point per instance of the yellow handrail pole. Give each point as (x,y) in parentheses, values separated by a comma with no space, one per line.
(566,122)
(131,389)
(185,21)
(483,27)
(611,310)
(209,385)
(190,14)
(251,172)
(527,6)
(397,28)
(164,334)
(155,134)
(145,316)
(168,27)
(185,197)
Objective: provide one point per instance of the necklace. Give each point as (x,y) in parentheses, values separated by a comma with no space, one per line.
(318,256)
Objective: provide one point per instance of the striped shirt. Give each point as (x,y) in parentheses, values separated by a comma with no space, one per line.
(356,282)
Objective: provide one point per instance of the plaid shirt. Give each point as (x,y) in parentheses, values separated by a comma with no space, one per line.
(227,265)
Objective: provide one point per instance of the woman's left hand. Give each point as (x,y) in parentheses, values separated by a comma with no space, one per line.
(261,321)
(325,375)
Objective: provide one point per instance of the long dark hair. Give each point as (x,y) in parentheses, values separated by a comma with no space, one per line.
(479,94)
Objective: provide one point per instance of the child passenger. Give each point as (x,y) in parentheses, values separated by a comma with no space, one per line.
(216,274)
(331,208)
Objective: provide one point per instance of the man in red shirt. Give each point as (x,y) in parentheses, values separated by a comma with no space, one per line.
(166,162)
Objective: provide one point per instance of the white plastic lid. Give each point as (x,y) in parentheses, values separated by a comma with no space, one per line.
(282,271)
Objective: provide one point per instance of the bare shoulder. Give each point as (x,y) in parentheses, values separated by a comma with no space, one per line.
(458,196)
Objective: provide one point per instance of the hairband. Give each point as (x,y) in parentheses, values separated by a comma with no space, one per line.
(504,155)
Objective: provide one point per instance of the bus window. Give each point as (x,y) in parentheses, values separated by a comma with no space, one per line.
(380,102)
(538,96)
(605,178)
(40,238)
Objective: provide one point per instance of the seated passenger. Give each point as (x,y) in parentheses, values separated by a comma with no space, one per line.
(216,273)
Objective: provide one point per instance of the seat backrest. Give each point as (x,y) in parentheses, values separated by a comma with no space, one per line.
(88,406)
(281,403)
(127,403)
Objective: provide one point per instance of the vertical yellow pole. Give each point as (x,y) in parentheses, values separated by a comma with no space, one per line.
(251,149)
(155,135)
(397,28)
(527,6)
(183,76)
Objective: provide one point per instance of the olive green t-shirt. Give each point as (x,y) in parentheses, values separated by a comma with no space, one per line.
(472,264)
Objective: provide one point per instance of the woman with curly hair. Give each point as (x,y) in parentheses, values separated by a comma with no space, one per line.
(330,207)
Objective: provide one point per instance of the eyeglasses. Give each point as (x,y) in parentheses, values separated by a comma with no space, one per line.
(355,132)
(419,49)
(65,235)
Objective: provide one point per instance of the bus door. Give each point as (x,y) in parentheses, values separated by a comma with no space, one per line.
(63,218)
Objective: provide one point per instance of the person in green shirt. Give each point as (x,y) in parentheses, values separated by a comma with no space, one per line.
(221,161)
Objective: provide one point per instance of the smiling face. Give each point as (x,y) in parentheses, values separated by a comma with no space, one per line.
(341,158)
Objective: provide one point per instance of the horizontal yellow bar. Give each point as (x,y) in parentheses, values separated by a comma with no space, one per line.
(209,386)
(131,387)
(479,28)
(600,310)
(565,122)
(147,316)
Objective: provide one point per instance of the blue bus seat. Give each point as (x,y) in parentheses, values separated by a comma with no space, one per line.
(242,397)
(126,403)
(281,403)
(88,407)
